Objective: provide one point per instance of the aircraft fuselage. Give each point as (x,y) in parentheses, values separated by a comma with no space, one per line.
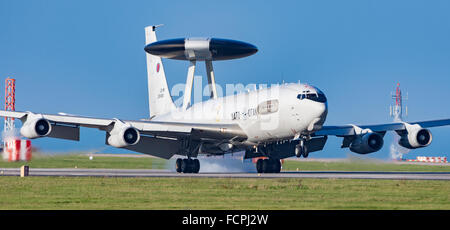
(265,115)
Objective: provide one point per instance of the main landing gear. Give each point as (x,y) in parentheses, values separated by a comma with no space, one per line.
(187,165)
(268,166)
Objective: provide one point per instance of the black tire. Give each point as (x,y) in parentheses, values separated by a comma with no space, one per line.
(259,164)
(191,165)
(277,166)
(196,166)
(178,164)
(298,151)
(185,166)
(305,152)
(274,165)
(266,166)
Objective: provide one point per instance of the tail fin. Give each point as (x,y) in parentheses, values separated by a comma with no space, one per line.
(159,99)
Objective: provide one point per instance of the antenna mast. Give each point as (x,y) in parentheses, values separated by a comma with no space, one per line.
(10,101)
(396,110)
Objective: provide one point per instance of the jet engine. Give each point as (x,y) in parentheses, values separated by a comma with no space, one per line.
(35,127)
(367,143)
(123,135)
(415,137)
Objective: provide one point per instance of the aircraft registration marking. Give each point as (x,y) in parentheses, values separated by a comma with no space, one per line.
(244,115)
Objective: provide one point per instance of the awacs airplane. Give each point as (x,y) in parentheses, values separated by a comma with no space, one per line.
(276,122)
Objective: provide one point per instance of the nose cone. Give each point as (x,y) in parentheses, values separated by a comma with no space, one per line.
(322,110)
(225,49)
(320,113)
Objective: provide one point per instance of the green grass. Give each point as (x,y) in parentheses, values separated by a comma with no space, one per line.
(217,193)
(82,161)
(220,193)
(360,165)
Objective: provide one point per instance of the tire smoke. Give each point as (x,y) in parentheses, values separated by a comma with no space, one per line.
(220,164)
(395,150)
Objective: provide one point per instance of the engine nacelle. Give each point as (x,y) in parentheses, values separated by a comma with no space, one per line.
(123,135)
(35,127)
(415,137)
(367,143)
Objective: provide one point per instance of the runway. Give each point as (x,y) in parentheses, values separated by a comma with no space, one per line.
(73,172)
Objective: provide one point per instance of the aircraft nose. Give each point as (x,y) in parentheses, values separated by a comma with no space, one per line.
(322,109)
(320,116)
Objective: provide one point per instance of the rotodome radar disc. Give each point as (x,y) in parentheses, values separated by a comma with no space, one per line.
(201,49)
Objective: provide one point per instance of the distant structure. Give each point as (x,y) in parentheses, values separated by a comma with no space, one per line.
(429,159)
(14,149)
(10,104)
(396,111)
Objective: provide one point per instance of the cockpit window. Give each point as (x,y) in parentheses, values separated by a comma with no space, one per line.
(318,97)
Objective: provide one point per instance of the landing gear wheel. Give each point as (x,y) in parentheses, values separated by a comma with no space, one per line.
(298,151)
(178,165)
(276,168)
(187,165)
(305,152)
(268,166)
(196,166)
(301,151)
(259,164)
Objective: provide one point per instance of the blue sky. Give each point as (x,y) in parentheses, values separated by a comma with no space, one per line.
(87,57)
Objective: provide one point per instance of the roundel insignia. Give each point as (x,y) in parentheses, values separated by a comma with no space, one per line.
(157,68)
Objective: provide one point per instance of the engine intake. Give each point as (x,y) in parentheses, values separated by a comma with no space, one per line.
(34,128)
(416,138)
(367,143)
(123,135)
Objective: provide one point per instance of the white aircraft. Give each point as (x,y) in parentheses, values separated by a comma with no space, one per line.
(277,122)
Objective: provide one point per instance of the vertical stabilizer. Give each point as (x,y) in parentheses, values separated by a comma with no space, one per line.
(159,99)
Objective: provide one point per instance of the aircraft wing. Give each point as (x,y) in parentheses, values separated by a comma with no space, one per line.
(157,138)
(348,130)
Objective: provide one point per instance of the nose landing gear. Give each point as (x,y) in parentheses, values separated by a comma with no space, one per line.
(301,150)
